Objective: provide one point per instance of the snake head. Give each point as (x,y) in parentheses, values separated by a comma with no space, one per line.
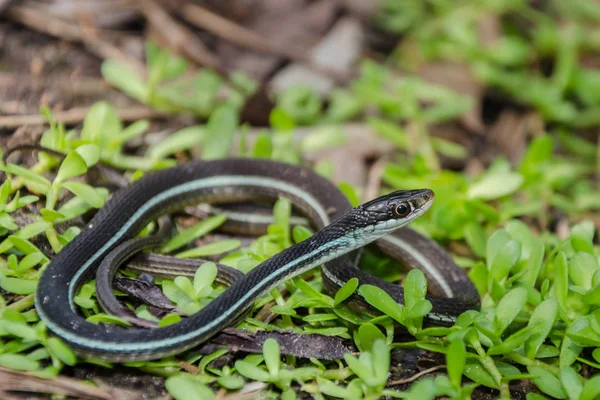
(396,209)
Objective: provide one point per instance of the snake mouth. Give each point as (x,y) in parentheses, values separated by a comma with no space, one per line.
(424,199)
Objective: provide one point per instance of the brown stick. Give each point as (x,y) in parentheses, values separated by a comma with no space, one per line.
(229,30)
(23,382)
(38,20)
(76,115)
(179,38)
(373,185)
(81,85)
(415,376)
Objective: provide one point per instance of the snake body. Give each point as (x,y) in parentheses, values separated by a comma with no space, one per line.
(341,232)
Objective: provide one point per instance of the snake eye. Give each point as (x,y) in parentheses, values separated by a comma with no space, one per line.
(402,209)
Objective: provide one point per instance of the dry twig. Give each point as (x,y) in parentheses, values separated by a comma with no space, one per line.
(179,39)
(79,86)
(38,20)
(374,179)
(76,115)
(23,382)
(415,376)
(250,39)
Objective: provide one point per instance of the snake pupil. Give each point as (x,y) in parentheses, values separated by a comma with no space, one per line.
(402,210)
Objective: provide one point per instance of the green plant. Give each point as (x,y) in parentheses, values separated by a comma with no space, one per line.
(167,87)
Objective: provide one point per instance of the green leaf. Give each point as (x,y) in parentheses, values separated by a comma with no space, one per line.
(221,128)
(569,351)
(18,285)
(7,222)
(495,185)
(132,131)
(31,230)
(204,278)
(5,191)
(418,311)
(561,280)
(175,65)
(73,165)
(101,125)
(301,103)
(542,320)
(251,371)
(207,359)
(196,231)
(512,342)
(282,210)
(535,396)
(538,153)
(343,105)
(311,292)
(18,362)
(337,331)
(381,362)
(505,260)
(478,374)
(30,261)
(367,334)
(389,130)
(184,139)
(350,193)
(39,354)
(494,244)
(322,138)
(475,238)
(423,389)
(288,394)
(508,308)
(591,389)
(582,237)
(547,382)
(90,153)
(40,182)
(583,333)
(102,318)
(185,387)
(582,267)
(86,192)
(534,263)
(233,382)
(572,382)
(59,349)
(596,355)
(382,301)
(169,319)
(124,78)
(455,361)
(346,291)
(361,370)
(51,215)
(319,317)
(263,146)
(25,200)
(280,120)
(415,288)
(272,354)
(507,370)
(331,389)
(186,286)
(521,232)
(18,328)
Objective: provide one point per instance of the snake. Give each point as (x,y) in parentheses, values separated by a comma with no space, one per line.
(341,231)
